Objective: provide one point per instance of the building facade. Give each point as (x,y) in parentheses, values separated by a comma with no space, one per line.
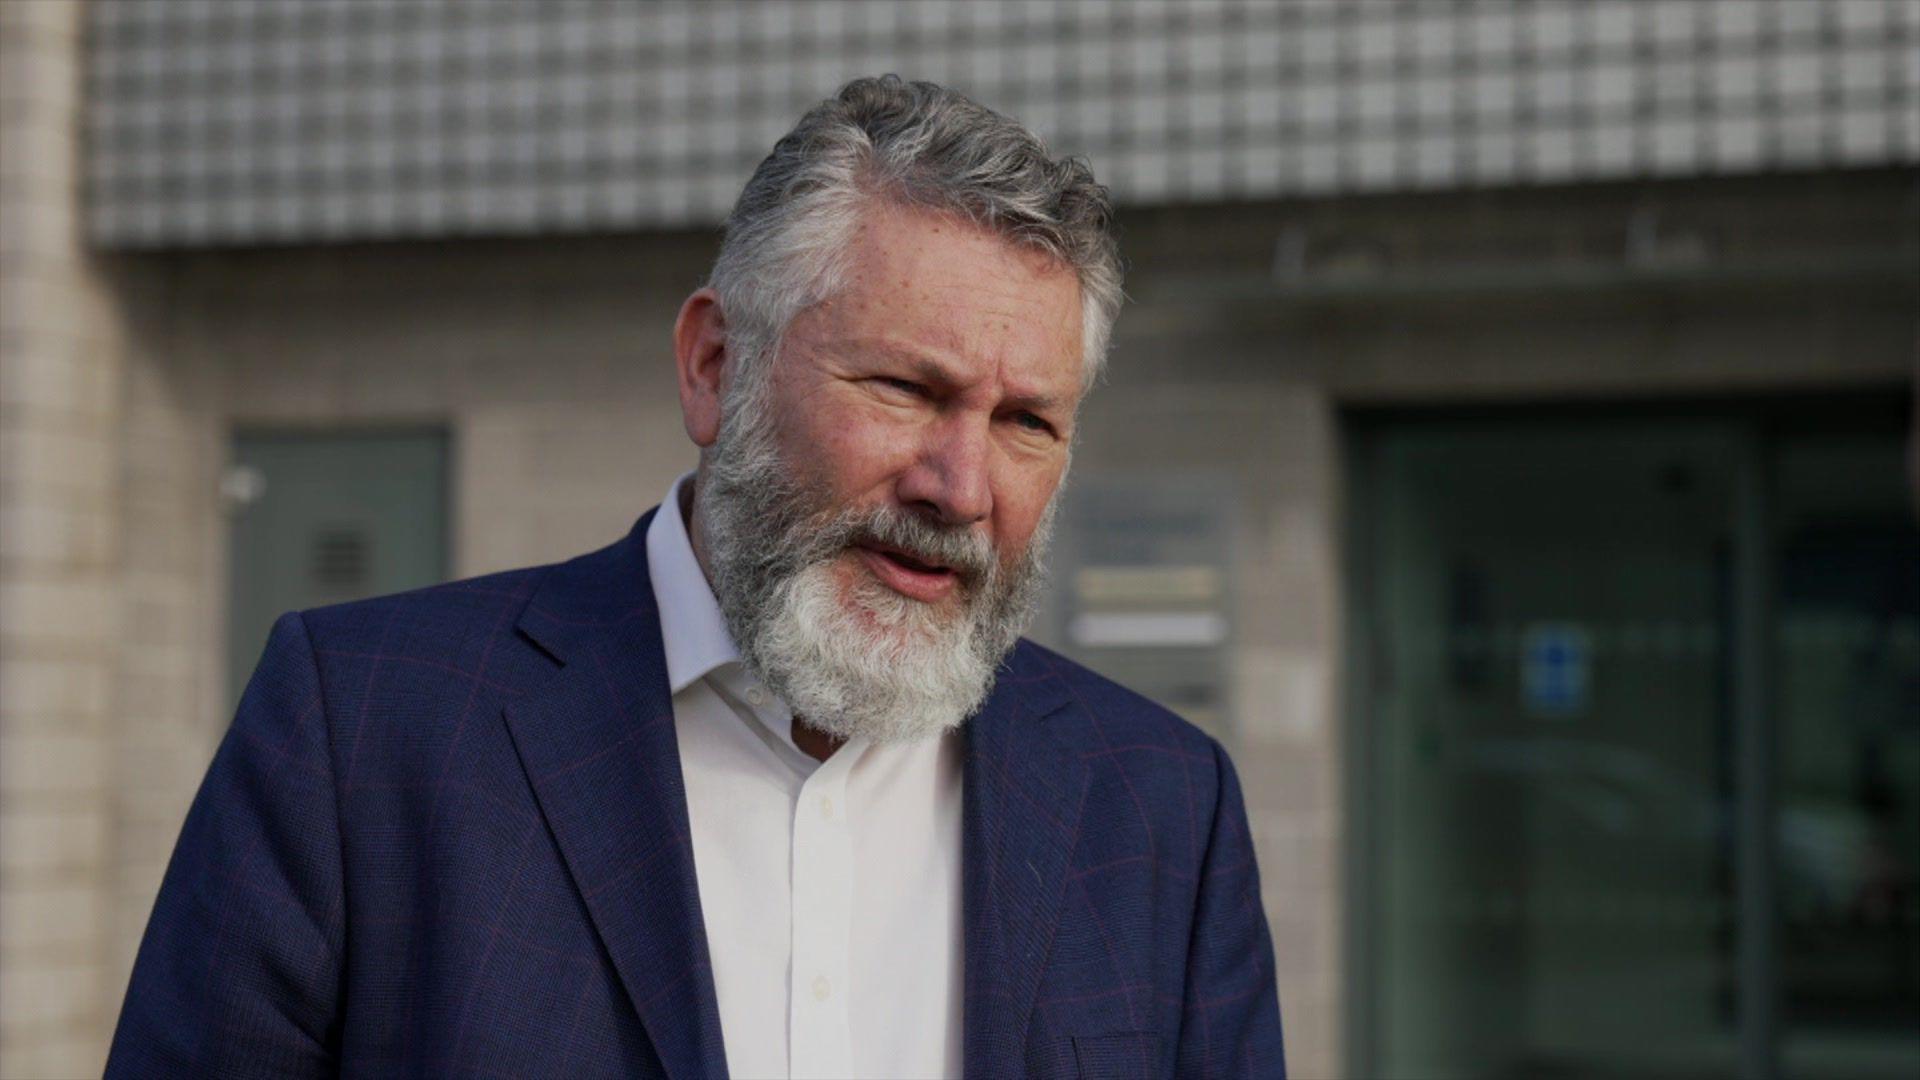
(1501,450)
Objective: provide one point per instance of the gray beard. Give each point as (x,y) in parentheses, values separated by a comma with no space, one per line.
(866,662)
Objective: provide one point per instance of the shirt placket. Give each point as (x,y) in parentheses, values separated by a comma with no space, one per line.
(821,1041)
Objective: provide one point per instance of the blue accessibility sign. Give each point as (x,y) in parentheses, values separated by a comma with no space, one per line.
(1556,668)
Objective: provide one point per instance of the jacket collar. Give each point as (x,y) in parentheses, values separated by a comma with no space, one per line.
(598,745)
(693,632)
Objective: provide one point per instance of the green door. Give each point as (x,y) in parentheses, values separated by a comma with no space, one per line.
(324,518)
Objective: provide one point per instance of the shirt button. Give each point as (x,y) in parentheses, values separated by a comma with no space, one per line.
(826,807)
(822,989)
(756,695)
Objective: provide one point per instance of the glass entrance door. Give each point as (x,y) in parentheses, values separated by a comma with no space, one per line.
(1551,749)
(1557,754)
(1846,649)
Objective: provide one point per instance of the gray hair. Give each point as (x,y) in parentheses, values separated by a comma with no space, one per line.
(920,145)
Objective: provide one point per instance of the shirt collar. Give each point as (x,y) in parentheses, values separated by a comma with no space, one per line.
(692,630)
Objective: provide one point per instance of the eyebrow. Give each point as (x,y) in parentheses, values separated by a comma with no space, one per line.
(930,369)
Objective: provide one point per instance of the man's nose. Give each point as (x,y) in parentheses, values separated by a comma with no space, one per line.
(949,479)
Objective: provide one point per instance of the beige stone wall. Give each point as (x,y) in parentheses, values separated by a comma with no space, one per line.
(548,364)
(59,551)
(170,685)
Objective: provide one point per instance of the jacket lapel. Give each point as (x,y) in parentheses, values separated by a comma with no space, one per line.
(1023,790)
(598,745)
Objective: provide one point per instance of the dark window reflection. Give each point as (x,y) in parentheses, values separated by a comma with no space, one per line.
(1847,647)
(1554,751)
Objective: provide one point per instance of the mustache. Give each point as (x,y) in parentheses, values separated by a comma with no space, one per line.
(957,547)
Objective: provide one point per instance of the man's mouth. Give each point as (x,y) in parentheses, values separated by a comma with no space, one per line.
(910,575)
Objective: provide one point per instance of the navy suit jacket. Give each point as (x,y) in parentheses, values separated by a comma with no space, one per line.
(446,835)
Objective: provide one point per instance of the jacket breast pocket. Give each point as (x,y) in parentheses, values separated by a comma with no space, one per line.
(1124,1055)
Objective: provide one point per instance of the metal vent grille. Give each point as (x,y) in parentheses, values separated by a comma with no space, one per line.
(342,560)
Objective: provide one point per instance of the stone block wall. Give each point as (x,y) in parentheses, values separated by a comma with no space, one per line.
(60,608)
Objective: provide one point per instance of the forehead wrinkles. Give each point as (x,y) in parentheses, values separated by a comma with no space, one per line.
(965,341)
(960,270)
(943,308)
(1007,319)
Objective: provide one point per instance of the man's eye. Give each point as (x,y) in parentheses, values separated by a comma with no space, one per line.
(903,386)
(1032,423)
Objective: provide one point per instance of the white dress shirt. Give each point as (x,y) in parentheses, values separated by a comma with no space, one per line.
(830,890)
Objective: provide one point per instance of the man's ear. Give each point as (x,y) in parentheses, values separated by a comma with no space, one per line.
(700,355)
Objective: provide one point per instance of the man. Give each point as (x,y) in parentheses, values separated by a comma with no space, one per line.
(771,787)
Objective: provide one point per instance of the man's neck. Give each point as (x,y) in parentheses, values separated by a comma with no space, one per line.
(695,538)
(813,742)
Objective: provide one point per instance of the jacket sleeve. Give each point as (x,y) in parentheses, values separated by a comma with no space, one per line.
(1230,1022)
(239,973)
